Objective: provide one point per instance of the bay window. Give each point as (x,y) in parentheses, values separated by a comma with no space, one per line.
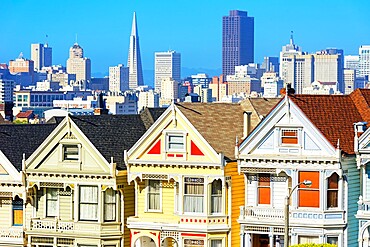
(193,195)
(309,196)
(216,196)
(332,191)
(109,205)
(264,190)
(51,202)
(89,203)
(153,195)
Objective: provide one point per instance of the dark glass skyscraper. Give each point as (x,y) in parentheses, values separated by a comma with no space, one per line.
(237,41)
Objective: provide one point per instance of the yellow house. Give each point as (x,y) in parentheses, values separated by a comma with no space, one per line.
(182,169)
(76,182)
(15,142)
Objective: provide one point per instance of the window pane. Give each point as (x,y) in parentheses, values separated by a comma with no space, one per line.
(216,243)
(289,136)
(88,203)
(17,212)
(216,197)
(154,195)
(309,198)
(70,152)
(109,205)
(333,181)
(51,202)
(176,142)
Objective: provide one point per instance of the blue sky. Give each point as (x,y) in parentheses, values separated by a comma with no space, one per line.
(191,27)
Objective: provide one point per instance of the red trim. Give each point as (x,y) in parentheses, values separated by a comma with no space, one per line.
(193,235)
(194,150)
(170,155)
(179,155)
(159,238)
(156,149)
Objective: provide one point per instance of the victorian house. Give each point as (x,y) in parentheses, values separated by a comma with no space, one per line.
(16,142)
(305,139)
(76,182)
(187,188)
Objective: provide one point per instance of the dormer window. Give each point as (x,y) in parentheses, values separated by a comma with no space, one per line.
(70,152)
(289,136)
(175,141)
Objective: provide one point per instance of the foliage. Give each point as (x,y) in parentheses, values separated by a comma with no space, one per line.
(17,121)
(314,245)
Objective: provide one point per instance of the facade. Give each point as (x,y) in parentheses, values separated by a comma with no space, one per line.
(287,51)
(242,83)
(183,171)
(27,98)
(134,58)
(147,99)
(124,104)
(349,78)
(218,87)
(76,186)
(352,62)
(320,87)
(118,78)
(296,142)
(169,91)
(199,79)
(271,84)
(237,41)
(204,93)
(78,64)
(166,65)
(6,90)
(271,64)
(41,55)
(364,61)
(20,65)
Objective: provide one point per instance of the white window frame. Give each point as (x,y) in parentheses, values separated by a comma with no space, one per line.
(65,143)
(216,196)
(96,204)
(107,204)
(215,239)
(56,200)
(168,134)
(282,136)
(196,195)
(147,196)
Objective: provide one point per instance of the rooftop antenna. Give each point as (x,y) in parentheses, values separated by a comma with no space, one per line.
(46,41)
(76,39)
(291,38)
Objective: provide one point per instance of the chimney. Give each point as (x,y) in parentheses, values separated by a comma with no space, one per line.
(246,123)
(101,109)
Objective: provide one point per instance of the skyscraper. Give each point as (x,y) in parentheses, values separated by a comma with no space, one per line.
(79,65)
(364,62)
(166,65)
(42,55)
(134,58)
(237,41)
(118,78)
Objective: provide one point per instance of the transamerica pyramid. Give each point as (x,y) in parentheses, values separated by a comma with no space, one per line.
(134,58)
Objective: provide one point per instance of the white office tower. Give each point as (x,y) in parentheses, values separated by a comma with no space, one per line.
(286,51)
(41,55)
(169,91)
(166,65)
(271,84)
(352,62)
(148,99)
(349,76)
(6,90)
(364,60)
(118,78)
(79,65)
(134,58)
(329,68)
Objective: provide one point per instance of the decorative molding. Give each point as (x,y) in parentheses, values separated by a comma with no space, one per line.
(257,170)
(6,194)
(155,176)
(66,241)
(42,240)
(170,234)
(52,184)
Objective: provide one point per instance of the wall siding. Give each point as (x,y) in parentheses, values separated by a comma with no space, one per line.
(251,192)
(65,207)
(353,192)
(128,207)
(279,192)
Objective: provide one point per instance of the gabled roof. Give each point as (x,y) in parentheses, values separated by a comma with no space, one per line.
(25,114)
(221,123)
(334,115)
(112,134)
(19,139)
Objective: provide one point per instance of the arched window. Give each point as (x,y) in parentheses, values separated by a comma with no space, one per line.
(332,192)
(216,196)
(17,211)
(109,205)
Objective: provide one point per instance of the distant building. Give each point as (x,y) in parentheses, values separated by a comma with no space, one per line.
(325,88)
(270,64)
(99,84)
(352,62)
(147,99)
(166,65)
(201,79)
(204,93)
(118,78)
(134,58)
(169,91)
(271,85)
(219,88)
(6,90)
(79,65)
(285,62)
(47,85)
(21,65)
(241,82)
(123,104)
(364,60)
(237,41)
(349,77)
(42,55)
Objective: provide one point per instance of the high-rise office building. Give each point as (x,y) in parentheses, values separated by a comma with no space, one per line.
(364,60)
(118,78)
(349,78)
(270,64)
(288,50)
(237,41)
(134,58)
(79,65)
(41,55)
(166,65)
(352,62)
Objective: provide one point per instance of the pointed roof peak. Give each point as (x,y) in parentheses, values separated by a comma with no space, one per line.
(134,31)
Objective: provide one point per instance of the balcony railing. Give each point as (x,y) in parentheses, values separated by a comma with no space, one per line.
(297,216)
(55,225)
(12,235)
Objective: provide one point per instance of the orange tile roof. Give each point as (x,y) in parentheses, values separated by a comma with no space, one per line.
(25,114)
(334,115)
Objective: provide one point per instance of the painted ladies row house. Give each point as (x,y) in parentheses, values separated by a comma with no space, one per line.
(308,137)
(184,172)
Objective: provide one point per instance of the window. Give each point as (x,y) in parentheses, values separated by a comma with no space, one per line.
(17,211)
(193,242)
(175,143)
(309,196)
(193,195)
(264,191)
(308,239)
(154,195)
(89,203)
(70,152)
(332,192)
(51,202)
(216,196)
(216,243)
(109,205)
(332,240)
(289,136)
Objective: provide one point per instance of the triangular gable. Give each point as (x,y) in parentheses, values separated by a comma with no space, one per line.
(153,146)
(364,142)
(7,171)
(67,150)
(286,118)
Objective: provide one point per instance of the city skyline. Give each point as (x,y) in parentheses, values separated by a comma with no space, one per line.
(196,32)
